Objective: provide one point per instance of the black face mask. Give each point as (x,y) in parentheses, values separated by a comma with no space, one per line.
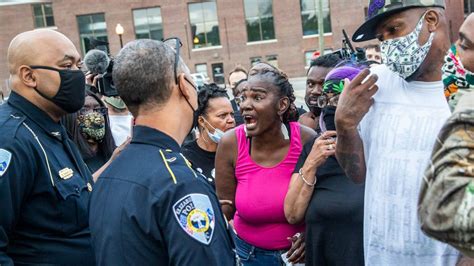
(329,113)
(195,112)
(71,94)
(195,117)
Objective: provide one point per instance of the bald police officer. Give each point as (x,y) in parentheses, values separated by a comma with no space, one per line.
(149,207)
(44,184)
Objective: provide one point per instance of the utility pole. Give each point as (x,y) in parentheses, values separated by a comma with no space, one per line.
(321,26)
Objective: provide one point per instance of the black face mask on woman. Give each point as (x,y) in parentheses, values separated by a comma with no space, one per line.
(329,113)
(71,94)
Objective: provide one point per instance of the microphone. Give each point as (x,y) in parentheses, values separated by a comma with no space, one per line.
(96,61)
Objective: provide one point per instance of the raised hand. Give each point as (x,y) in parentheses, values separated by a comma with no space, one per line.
(355,100)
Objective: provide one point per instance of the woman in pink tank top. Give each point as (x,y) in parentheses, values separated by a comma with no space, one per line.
(254,164)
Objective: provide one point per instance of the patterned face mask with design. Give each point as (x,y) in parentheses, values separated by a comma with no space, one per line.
(456,79)
(92,126)
(404,55)
(454,72)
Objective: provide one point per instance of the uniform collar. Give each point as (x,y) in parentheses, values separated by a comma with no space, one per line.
(151,136)
(41,118)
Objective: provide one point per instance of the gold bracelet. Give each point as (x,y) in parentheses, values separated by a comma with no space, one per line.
(300,173)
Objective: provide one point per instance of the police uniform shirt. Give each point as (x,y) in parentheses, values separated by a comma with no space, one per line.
(150,208)
(44,190)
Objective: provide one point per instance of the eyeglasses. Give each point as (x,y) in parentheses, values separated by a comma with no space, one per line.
(175,43)
(325,100)
(101,110)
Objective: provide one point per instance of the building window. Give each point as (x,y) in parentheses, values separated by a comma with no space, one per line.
(92,27)
(272,60)
(468,7)
(43,14)
(204,24)
(148,23)
(255,60)
(259,20)
(309,17)
(218,73)
(201,68)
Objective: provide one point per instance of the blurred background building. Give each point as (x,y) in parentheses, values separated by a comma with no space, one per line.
(216,35)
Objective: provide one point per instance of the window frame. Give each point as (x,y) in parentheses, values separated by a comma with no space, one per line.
(43,15)
(315,10)
(206,44)
(259,18)
(148,22)
(93,35)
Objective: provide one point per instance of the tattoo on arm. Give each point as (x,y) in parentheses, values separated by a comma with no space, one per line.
(350,154)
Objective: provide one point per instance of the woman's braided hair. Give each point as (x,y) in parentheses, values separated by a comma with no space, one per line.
(207,92)
(282,82)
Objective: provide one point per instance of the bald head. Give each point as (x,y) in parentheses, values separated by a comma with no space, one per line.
(39,47)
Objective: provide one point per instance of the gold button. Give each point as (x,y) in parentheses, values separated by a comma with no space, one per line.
(89,187)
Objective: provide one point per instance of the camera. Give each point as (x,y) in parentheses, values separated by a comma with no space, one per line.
(348,53)
(105,83)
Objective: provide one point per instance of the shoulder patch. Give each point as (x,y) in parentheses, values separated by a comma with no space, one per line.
(195,215)
(5,159)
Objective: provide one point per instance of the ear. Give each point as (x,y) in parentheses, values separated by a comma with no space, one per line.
(27,76)
(187,90)
(201,122)
(432,18)
(283,105)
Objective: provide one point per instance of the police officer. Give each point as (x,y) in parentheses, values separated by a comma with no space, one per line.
(149,207)
(44,184)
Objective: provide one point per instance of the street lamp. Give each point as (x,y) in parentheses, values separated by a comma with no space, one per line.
(119,31)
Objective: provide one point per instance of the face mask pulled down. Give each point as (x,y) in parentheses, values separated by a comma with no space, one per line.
(404,55)
(217,135)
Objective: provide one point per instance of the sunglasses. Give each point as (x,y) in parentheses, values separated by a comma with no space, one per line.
(325,100)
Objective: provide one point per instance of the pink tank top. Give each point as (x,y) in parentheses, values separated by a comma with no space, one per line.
(260,195)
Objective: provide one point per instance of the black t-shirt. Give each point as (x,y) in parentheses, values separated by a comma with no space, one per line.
(96,162)
(334,218)
(202,161)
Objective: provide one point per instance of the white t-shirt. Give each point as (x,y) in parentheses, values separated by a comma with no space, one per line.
(398,133)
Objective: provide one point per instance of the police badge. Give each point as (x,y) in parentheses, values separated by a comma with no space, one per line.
(196,217)
(5,158)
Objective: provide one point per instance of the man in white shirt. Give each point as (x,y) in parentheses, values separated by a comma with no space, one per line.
(387,127)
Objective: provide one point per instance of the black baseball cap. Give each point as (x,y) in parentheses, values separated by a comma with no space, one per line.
(382,9)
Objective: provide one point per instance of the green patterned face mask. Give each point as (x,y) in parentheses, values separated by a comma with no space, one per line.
(92,126)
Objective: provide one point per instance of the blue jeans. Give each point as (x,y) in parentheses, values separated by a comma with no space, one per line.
(251,255)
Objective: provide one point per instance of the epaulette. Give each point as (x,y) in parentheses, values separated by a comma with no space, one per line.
(166,162)
(10,122)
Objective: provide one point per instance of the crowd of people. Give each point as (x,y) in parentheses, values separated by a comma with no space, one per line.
(378,171)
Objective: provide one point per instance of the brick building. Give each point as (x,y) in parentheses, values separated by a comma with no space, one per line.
(216,35)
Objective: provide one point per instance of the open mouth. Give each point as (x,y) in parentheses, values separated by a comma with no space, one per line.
(313,101)
(250,121)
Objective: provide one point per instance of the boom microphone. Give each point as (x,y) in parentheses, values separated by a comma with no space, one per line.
(96,61)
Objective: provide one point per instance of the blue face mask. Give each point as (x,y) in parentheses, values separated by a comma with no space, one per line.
(217,135)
